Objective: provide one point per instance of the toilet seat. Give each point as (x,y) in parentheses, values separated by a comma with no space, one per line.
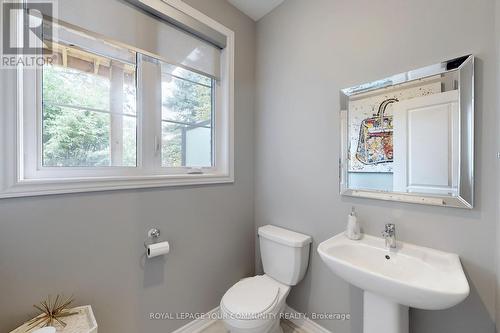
(251,298)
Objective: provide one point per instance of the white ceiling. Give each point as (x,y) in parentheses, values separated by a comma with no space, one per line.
(256,9)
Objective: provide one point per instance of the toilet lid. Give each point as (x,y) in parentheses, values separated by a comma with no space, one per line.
(251,296)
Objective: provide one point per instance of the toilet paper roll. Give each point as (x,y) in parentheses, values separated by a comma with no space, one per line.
(157,249)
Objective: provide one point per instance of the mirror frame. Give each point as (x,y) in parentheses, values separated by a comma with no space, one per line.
(464,66)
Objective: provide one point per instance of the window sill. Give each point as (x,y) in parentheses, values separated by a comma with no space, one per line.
(28,188)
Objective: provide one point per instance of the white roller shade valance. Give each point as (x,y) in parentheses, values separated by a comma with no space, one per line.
(128,24)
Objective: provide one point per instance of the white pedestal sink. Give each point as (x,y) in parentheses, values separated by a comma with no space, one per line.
(393,281)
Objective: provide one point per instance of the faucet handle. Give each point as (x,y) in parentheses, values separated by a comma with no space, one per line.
(390,235)
(390,229)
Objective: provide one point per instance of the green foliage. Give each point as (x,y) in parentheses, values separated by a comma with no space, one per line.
(79,138)
(73,87)
(73,137)
(189,103)
(171,149)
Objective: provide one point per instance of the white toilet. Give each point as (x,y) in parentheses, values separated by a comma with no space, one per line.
(254,305)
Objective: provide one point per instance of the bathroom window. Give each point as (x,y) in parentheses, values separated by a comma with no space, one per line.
(122,112)
(187,114)
(88,114)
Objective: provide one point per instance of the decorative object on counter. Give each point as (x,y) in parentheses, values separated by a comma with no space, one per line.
(353,230)
(52,312)
(83,321)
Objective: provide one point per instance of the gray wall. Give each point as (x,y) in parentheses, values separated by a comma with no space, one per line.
(497,44)
(90,245)
(306,52)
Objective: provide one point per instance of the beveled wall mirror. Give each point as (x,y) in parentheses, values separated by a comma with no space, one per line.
(410,137)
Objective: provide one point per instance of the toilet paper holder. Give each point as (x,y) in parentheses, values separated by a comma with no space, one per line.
(153,237)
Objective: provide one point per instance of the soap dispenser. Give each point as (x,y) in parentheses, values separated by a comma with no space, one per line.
(353,231)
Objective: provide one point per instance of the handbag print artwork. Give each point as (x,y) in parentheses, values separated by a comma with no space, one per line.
(375,143)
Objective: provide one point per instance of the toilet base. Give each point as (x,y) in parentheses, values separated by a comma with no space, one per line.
(276,328)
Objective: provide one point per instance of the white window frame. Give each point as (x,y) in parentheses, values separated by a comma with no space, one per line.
(19,178)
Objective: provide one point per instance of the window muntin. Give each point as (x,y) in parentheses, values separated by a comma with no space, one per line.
(89,116)
(187,118)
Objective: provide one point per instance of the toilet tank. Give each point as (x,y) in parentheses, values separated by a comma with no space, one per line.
(284,254)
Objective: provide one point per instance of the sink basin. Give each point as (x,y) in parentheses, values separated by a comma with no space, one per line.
(410,275)
(393,281)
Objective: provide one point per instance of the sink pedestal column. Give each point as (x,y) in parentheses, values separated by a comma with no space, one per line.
(383,315)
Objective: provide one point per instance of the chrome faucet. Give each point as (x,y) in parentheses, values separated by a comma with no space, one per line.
(390,236)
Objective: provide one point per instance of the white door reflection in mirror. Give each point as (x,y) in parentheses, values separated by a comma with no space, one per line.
(426,144)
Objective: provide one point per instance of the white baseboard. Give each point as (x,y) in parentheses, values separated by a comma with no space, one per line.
(304,323)
(198,325)
(301,322)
